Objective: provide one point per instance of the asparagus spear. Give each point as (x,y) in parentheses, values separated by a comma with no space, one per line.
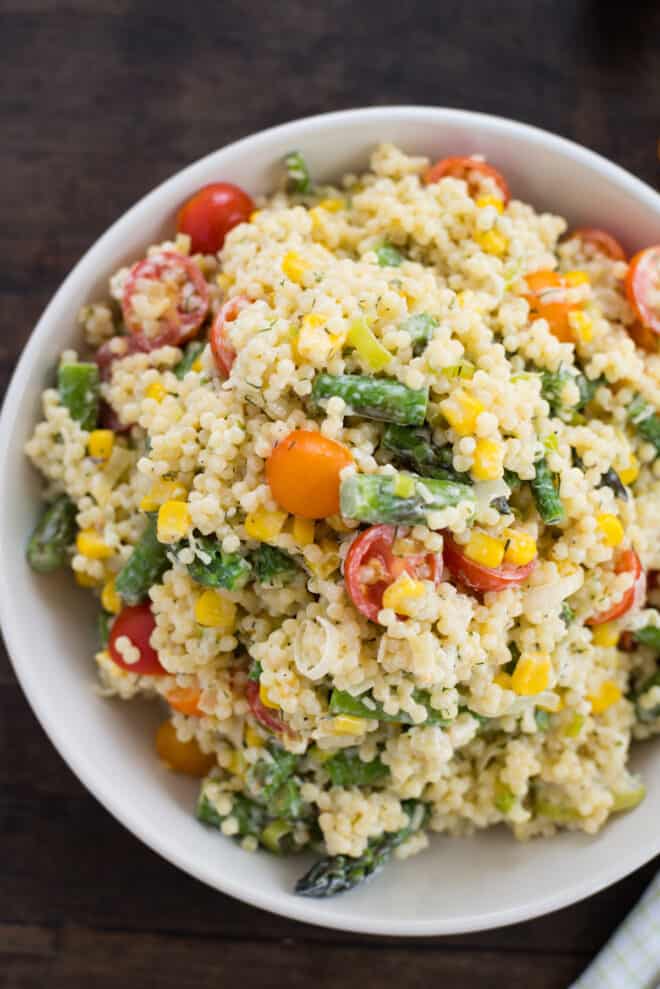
(339,873)
(214,568)
(645,421)
(374,398)
(346,768)
(190,355)
(53,534)
(298,177)
(552,386)
(388,256)
(420,327)
(78,385)
(272,566)
(649,636)
(548,502)
(399,498)
(144,567)
(414,449)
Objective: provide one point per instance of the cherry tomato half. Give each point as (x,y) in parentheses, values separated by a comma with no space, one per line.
(628,562)
(467,168)
(546,300)
(303,473)
(643,287)
(186,293)
(264,715)
(476,577)
(209,215)
(136,623)
(224,354)
(601,241)
(372,549)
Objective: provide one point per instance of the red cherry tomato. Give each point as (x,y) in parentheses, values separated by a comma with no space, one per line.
(373,549)
(465,168)
(476,577)
(188,299)
(601,241)
(264,715)
(209,215)
(136,623)
(224,354)
(628,562)
(643,287)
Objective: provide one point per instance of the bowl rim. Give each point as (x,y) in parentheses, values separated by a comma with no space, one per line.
(306,911)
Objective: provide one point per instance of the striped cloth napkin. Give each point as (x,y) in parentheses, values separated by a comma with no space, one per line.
(631,958)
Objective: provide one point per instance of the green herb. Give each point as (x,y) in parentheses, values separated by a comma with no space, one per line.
(298,177)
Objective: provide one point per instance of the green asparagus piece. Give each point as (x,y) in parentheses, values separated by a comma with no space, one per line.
(374,398)
(341,702)
(144,567)
(277,837)
(647,713)
(610,479)
(298,177)
(645,421)
(78,385)
(552,386)
(190,355)
(346,768)
(413,448)
(548,502)
(339,873)
(53,534)
(214,568)
(104,623)
(272,566)
(399,498)
(388,256)
(649,636)
(420,327)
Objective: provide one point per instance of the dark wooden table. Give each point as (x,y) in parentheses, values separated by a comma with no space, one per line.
(100,102)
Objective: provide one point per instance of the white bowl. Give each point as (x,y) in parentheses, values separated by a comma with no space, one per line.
(459,884)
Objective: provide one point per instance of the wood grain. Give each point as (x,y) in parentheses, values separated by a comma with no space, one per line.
(99,102)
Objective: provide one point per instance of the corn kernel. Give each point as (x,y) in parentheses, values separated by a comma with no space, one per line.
(606,635)
(484,201)
(314,320)
(332,205)
(608,694)
(173,521)
(265,699)
(213,610)
(492,242)
(485,549)
(90,544)
(263,525)
(236,763)
(253,739)
(84,579)
(531,675)
(303,531)
(347,724)
(573,278)
(156,390)
(109,597)
(461,410)
(253,215)
(488,457)
(400,593)
(630,473)
(100,443)
(520,547)
(162,491)
(581,324)
(611,528)
(294,267)
(197,365)
(503,680)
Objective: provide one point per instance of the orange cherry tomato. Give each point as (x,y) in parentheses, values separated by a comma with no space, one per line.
(182,757)
(601,241)
(136,623)
(209,215)
(469,169)
(477,577)
(188,299)
(303,473)
(547,301)
(628,562)
(643,287)
(185,700)
(224,354)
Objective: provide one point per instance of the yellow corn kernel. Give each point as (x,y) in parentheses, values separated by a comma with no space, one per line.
(492,242)
(484,549)
(303,531)
(606,635)
(531,675)
(488,458)
(173,521)
(156,390)
(630,473)
(253,215)
(573,278)
(332,205)
(461,410)
(253,739)
(84,579)
(484,201)
(109,597)
(608,694)
(236,763)
(212,610)
(314,320)
(611,528)
(581,324)
(100,443)
(197,365)
(399,594)
(265,699)
(263,525)
(90,544)
(347,724)
(503,680)
(294,267)
(162,491)
(520,547)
